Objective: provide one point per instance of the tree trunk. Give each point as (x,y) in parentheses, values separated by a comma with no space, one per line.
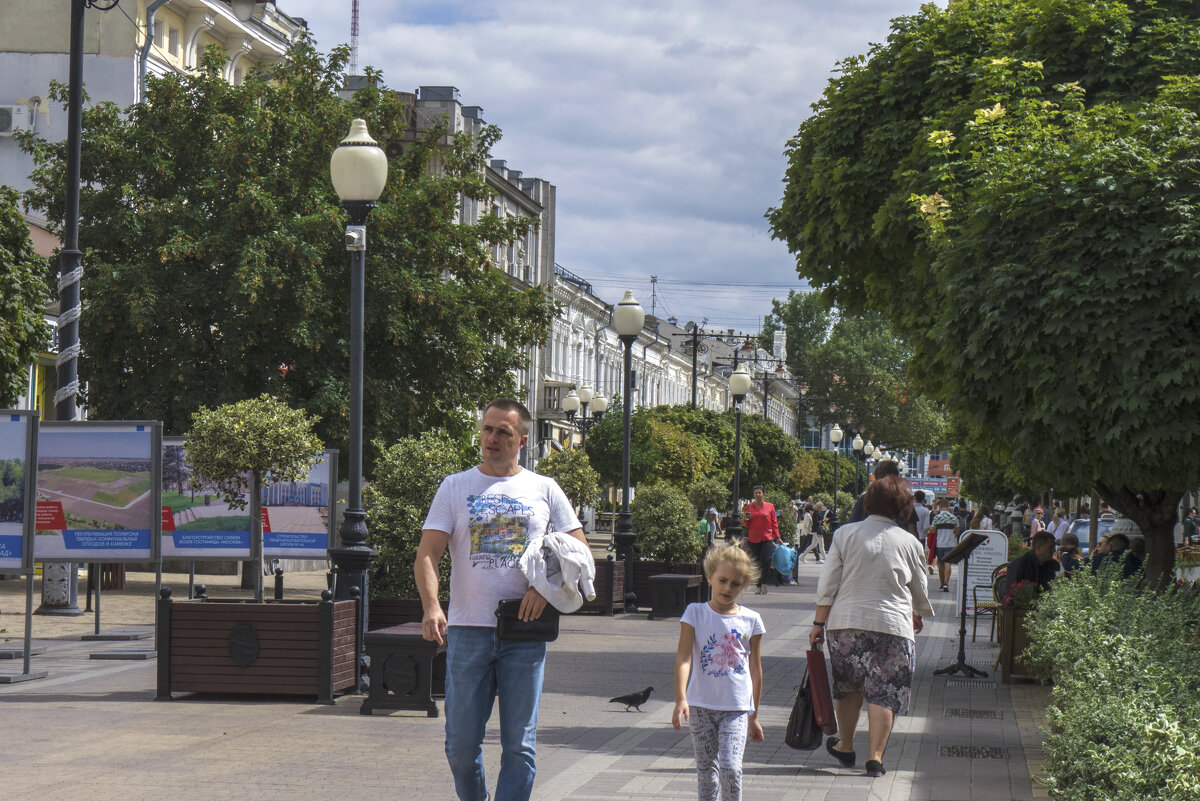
(1154,511)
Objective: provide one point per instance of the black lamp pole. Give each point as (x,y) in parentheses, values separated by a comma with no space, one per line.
(624,535)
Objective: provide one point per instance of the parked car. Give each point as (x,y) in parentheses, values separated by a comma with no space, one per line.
(1104,526)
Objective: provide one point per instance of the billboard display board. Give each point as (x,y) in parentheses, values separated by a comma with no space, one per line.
(98,491)
(196,522)
(298,517)
(18,440)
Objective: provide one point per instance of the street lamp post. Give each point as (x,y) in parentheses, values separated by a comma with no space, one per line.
(857,444)
(835,436)
(628,319)
(584,397)
(739,386)
(868,460)
(358,168)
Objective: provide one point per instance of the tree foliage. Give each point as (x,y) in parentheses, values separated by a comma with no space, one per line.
(1013,184)
(857,372)
(24,277)
(663,523)
(404,480)
(216,269)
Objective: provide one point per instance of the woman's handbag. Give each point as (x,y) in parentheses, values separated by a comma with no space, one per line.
(511,627)
(802,732)
(822,698)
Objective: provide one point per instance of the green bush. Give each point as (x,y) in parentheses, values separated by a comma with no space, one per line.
(663,523)
(710,491)
(403,483)
(1126,669)
(783,510)
(574,473)
(844,505)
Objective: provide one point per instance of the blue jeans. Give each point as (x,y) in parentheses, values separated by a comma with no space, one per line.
(479,666)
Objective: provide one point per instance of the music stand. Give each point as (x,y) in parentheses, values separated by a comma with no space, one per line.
(962,553)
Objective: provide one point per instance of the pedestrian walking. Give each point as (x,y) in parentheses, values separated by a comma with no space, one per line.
(762,534)
(817,546)
(718,675)
(871,603)
(947,526)
(486,516)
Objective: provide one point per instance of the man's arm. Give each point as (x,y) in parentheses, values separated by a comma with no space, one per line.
(425,570)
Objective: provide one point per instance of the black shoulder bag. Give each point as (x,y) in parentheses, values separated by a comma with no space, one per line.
(802,731)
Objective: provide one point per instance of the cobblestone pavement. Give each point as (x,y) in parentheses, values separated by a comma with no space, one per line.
(93,726)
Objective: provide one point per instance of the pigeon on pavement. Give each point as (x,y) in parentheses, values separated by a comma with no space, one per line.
(633,699)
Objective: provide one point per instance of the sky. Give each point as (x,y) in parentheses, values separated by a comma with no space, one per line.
(662,123)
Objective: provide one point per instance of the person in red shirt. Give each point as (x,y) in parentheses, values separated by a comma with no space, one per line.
(762,533)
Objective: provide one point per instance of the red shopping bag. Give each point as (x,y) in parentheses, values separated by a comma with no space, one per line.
(822,698)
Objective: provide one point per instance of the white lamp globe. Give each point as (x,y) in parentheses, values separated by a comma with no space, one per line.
(739,382)
(585,394)
(599,404)
(629,316)
(836,434)
(857,444)
(358,166)
(571,402)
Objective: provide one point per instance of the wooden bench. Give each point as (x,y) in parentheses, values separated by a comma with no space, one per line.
(402,666)
(670,593)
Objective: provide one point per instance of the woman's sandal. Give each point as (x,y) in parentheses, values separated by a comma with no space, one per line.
(875,768)
(847,758)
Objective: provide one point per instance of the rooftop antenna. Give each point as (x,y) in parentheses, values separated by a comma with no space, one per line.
(354,37)
(653,295)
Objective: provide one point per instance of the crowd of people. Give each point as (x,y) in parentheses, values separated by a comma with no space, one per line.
(872,601)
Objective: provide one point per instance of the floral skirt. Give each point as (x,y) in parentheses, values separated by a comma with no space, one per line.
(872,664)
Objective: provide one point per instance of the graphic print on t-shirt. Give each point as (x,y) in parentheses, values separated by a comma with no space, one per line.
(724,655)
(499,528)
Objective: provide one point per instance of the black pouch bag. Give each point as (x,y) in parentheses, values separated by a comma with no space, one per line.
(802,731)
(511,627)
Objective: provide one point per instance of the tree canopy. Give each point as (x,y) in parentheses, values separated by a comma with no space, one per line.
(857,372)
(25,278)
(1013,183)
(215,264)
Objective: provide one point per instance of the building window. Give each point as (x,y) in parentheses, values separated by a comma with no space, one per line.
(238,75)
(158,33)
(551,400)
(173,42)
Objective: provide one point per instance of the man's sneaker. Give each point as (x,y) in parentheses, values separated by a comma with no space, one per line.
(945,588)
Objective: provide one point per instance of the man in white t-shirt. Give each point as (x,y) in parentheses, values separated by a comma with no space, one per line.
(486,516)
(947,525)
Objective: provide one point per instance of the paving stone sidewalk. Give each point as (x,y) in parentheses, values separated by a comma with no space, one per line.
(94,726)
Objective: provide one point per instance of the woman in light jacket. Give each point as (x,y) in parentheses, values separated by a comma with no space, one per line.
(871,601)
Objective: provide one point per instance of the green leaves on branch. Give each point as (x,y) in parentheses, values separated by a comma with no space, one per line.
(261,437)
(663,522)
(24,291)
(574,473)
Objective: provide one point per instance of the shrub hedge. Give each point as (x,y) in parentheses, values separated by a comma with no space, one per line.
(1126,668)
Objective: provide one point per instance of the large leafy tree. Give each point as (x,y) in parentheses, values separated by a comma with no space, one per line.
(1014,184)
(24,277)
(215,265)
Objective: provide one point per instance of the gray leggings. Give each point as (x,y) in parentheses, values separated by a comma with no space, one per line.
(719,738)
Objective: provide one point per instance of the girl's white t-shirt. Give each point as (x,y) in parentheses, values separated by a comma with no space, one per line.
(720,676)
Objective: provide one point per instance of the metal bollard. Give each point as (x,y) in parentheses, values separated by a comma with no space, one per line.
(201,592)
(279,584)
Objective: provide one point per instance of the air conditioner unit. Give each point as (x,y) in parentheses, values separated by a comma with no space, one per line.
(13,119)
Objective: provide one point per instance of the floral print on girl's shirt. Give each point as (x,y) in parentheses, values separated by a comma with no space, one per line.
(724,655)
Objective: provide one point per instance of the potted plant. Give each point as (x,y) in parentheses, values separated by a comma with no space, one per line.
(1015,605)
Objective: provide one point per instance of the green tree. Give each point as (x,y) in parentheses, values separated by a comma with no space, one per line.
(805,477)
(783,511)
(404,480)
(216,269)
(25,278)
(241,447)
(1011,183)
(710,491)
(663,522)
(575,474)
(768,454)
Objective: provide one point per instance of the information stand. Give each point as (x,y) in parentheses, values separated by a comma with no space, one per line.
(18,458)
(98,488)
(984,560)
(961,553)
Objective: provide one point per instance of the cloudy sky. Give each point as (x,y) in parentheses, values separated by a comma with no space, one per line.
(662,123)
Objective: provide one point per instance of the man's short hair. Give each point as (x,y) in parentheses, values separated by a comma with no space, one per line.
(1043,537)
(920,496)
(524,418)
(886,468)
(1118,540)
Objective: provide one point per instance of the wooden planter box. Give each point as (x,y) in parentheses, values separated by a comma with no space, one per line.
(1013,640)
(273,648)
(643,570)
(610,588)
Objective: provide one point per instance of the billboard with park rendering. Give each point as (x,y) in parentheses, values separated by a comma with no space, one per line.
(17,442)
(97,491)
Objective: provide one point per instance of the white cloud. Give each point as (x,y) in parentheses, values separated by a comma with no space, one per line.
(662,123)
